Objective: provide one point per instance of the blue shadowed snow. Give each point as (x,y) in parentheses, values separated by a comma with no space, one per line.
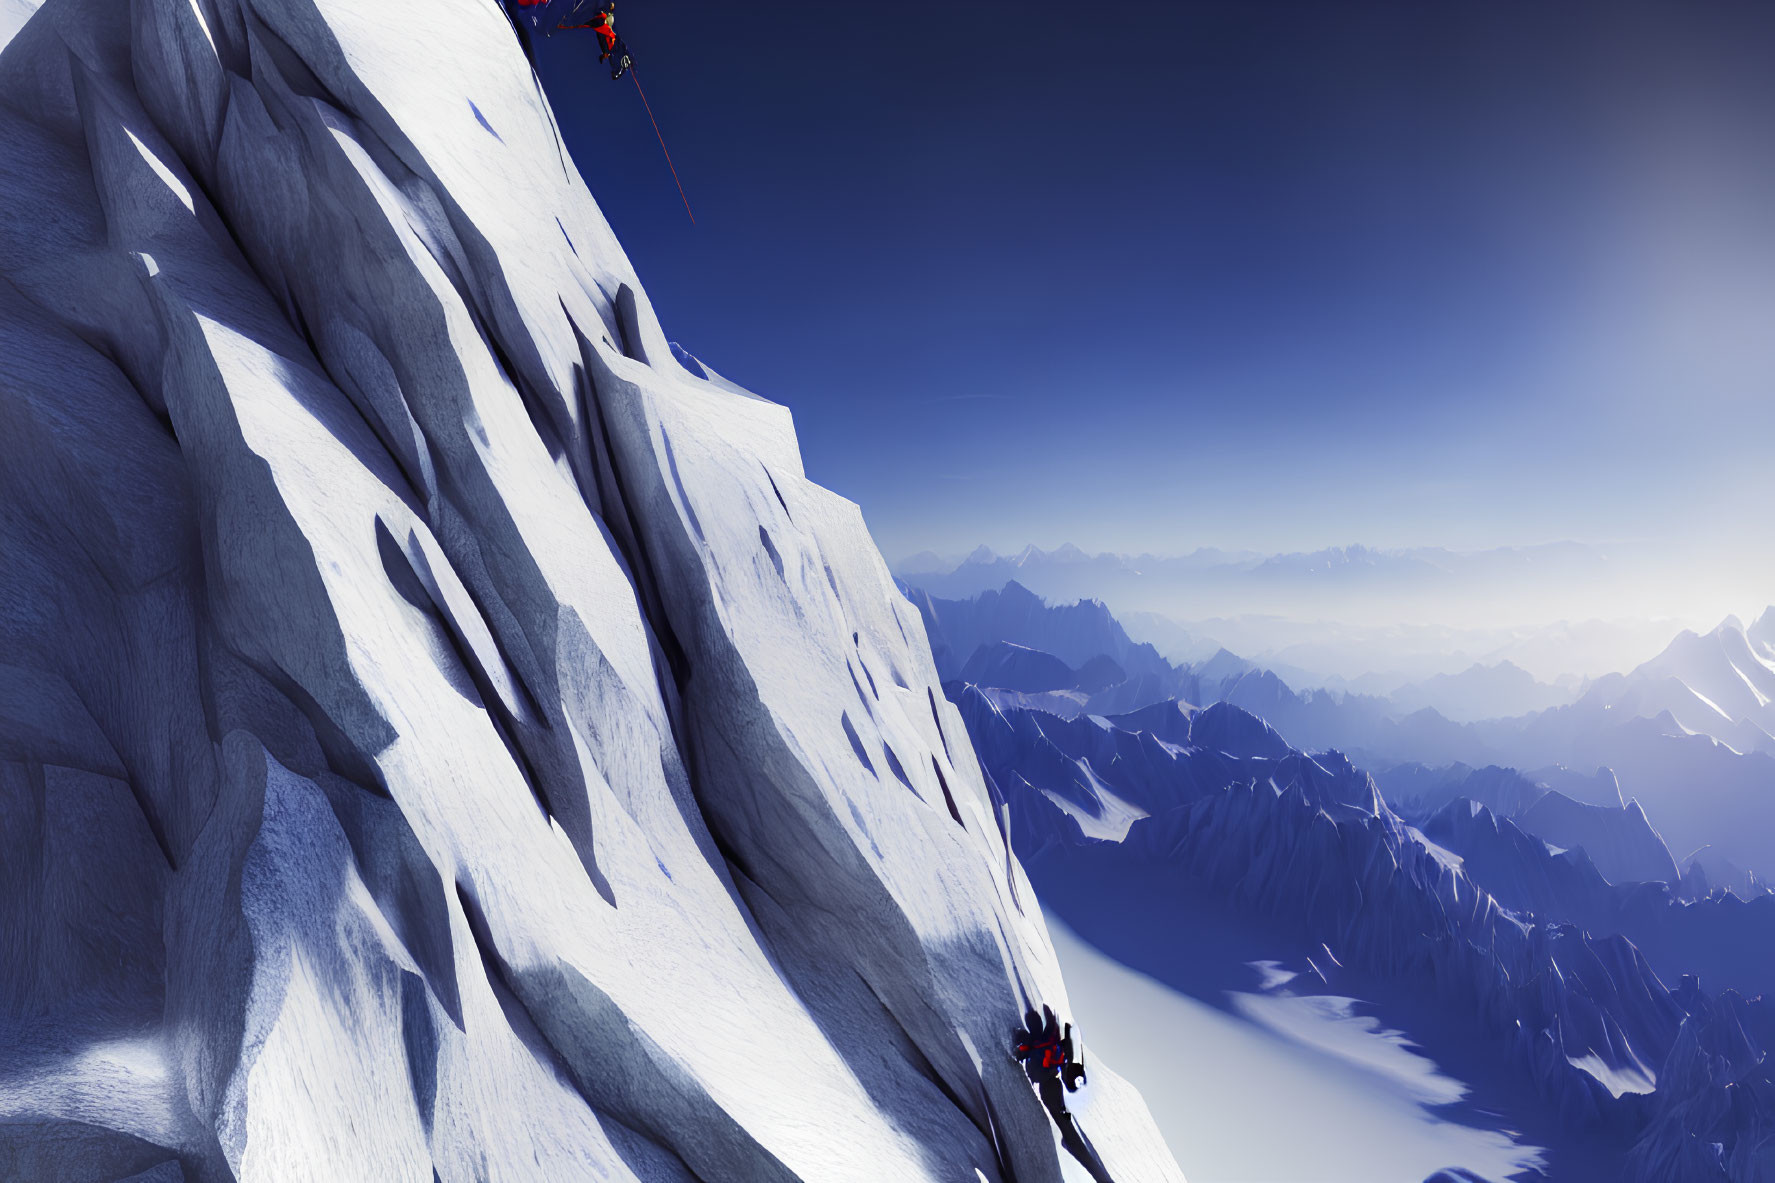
(482,120)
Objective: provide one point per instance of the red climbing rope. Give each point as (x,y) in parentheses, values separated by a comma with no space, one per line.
(662,143)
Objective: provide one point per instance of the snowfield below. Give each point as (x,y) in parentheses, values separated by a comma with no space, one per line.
(1285,1092)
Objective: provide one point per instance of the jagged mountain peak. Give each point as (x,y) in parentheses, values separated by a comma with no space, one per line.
(1763,631)
(1720,683)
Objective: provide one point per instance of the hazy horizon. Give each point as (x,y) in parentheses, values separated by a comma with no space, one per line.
(1559,610)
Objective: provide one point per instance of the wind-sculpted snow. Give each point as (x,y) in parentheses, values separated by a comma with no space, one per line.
(443,735)
(1232,820)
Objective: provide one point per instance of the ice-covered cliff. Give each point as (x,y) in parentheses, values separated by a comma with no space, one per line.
(442,733)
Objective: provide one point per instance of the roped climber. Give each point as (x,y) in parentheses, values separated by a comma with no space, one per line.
(524,15)
(611,47)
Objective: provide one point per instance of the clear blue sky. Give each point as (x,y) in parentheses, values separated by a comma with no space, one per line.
(1152,275)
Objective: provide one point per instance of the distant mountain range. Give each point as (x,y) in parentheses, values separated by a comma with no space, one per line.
(1709,792)
(1069,571)
(1601,993)
(1519,936)
(1354,618)
(1481,692)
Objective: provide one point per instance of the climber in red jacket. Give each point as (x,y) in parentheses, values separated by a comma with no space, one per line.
(1049,1054)
(603,23)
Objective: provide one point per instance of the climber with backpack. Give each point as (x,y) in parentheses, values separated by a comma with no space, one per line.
(603,23)
(1054,1063)
(611,48)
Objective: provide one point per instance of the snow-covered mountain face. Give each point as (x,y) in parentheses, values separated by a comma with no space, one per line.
(13,15)
(442,736)
(1720,684)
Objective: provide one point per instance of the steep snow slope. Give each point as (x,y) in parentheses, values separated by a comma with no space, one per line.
(441,735)
(13,15)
